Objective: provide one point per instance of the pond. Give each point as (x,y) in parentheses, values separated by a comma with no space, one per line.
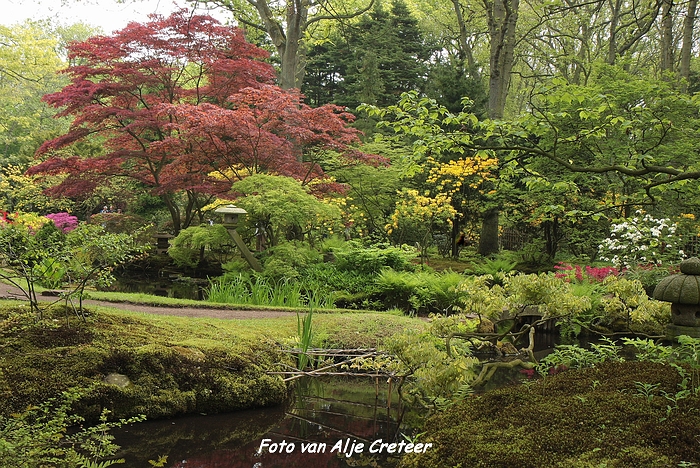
(329,422)
(168,286)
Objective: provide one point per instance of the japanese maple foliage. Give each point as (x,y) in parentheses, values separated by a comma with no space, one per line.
(264,129)
(185,106)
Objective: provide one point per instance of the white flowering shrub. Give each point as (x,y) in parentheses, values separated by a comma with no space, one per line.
(642,240)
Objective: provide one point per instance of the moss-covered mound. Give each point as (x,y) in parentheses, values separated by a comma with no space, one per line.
(614,415)
(174,365)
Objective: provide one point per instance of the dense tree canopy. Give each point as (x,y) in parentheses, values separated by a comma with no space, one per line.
(30,56)
(288,25)
(587,107)
(184,106)
(372,61)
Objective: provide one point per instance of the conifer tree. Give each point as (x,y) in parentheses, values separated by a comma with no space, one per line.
(380,57)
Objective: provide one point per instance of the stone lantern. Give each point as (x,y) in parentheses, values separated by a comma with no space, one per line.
(683,292)
(231,218)
(231,214)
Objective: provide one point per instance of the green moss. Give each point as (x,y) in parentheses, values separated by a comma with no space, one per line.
(590,417)
(176,365)
(167,377)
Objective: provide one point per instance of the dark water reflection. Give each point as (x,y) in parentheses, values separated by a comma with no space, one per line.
(179,288)
(322,410)
(327,411)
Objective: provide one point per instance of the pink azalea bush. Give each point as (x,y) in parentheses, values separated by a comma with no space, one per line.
(63,221)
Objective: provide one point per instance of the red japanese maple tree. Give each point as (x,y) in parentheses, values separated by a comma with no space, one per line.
(185,106)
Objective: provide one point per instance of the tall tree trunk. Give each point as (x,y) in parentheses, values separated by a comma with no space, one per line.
(174,212)
(615,6)
(582,56)
(288,43)
(488,241)
(465,50)
(687,46)
(456,231)
(502,20)
(666,36)
(294,58)
(551,236)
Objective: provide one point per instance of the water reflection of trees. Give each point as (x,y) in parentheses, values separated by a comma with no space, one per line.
(187,437)
(320,410)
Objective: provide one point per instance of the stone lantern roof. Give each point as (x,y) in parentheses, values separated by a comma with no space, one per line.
(683,292)
(683,288)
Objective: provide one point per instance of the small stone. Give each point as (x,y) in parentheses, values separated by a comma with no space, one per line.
(190,354)
(120,380)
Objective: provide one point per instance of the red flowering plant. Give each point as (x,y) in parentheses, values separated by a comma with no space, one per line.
(571,273)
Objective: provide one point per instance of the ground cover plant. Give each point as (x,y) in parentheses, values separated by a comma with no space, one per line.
(594,417)
(590,408)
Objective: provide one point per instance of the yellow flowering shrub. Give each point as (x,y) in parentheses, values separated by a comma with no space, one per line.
(469,171)
(418,210)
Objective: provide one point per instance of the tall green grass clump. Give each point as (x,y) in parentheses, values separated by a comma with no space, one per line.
(305,336)
(260,291)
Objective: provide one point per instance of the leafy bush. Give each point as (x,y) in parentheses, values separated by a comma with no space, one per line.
(39,436)
(649,275)
(119,222)
(327,276)
(575,357)
(287,260)
(284,208)
(533,256)
(642,240)
(84,256)
(421,292)
(552,296)
(354,256)
(498,268)
(477,296)
(198,244)
(433,377)
(63,221)
(626,305)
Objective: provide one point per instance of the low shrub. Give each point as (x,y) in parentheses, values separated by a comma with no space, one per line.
(288,260)
(51,435)
(371,259)
(419,292)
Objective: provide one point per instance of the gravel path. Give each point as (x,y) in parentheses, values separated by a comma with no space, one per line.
(10,292)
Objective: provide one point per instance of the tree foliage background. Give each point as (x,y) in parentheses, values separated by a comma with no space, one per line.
(586,108)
